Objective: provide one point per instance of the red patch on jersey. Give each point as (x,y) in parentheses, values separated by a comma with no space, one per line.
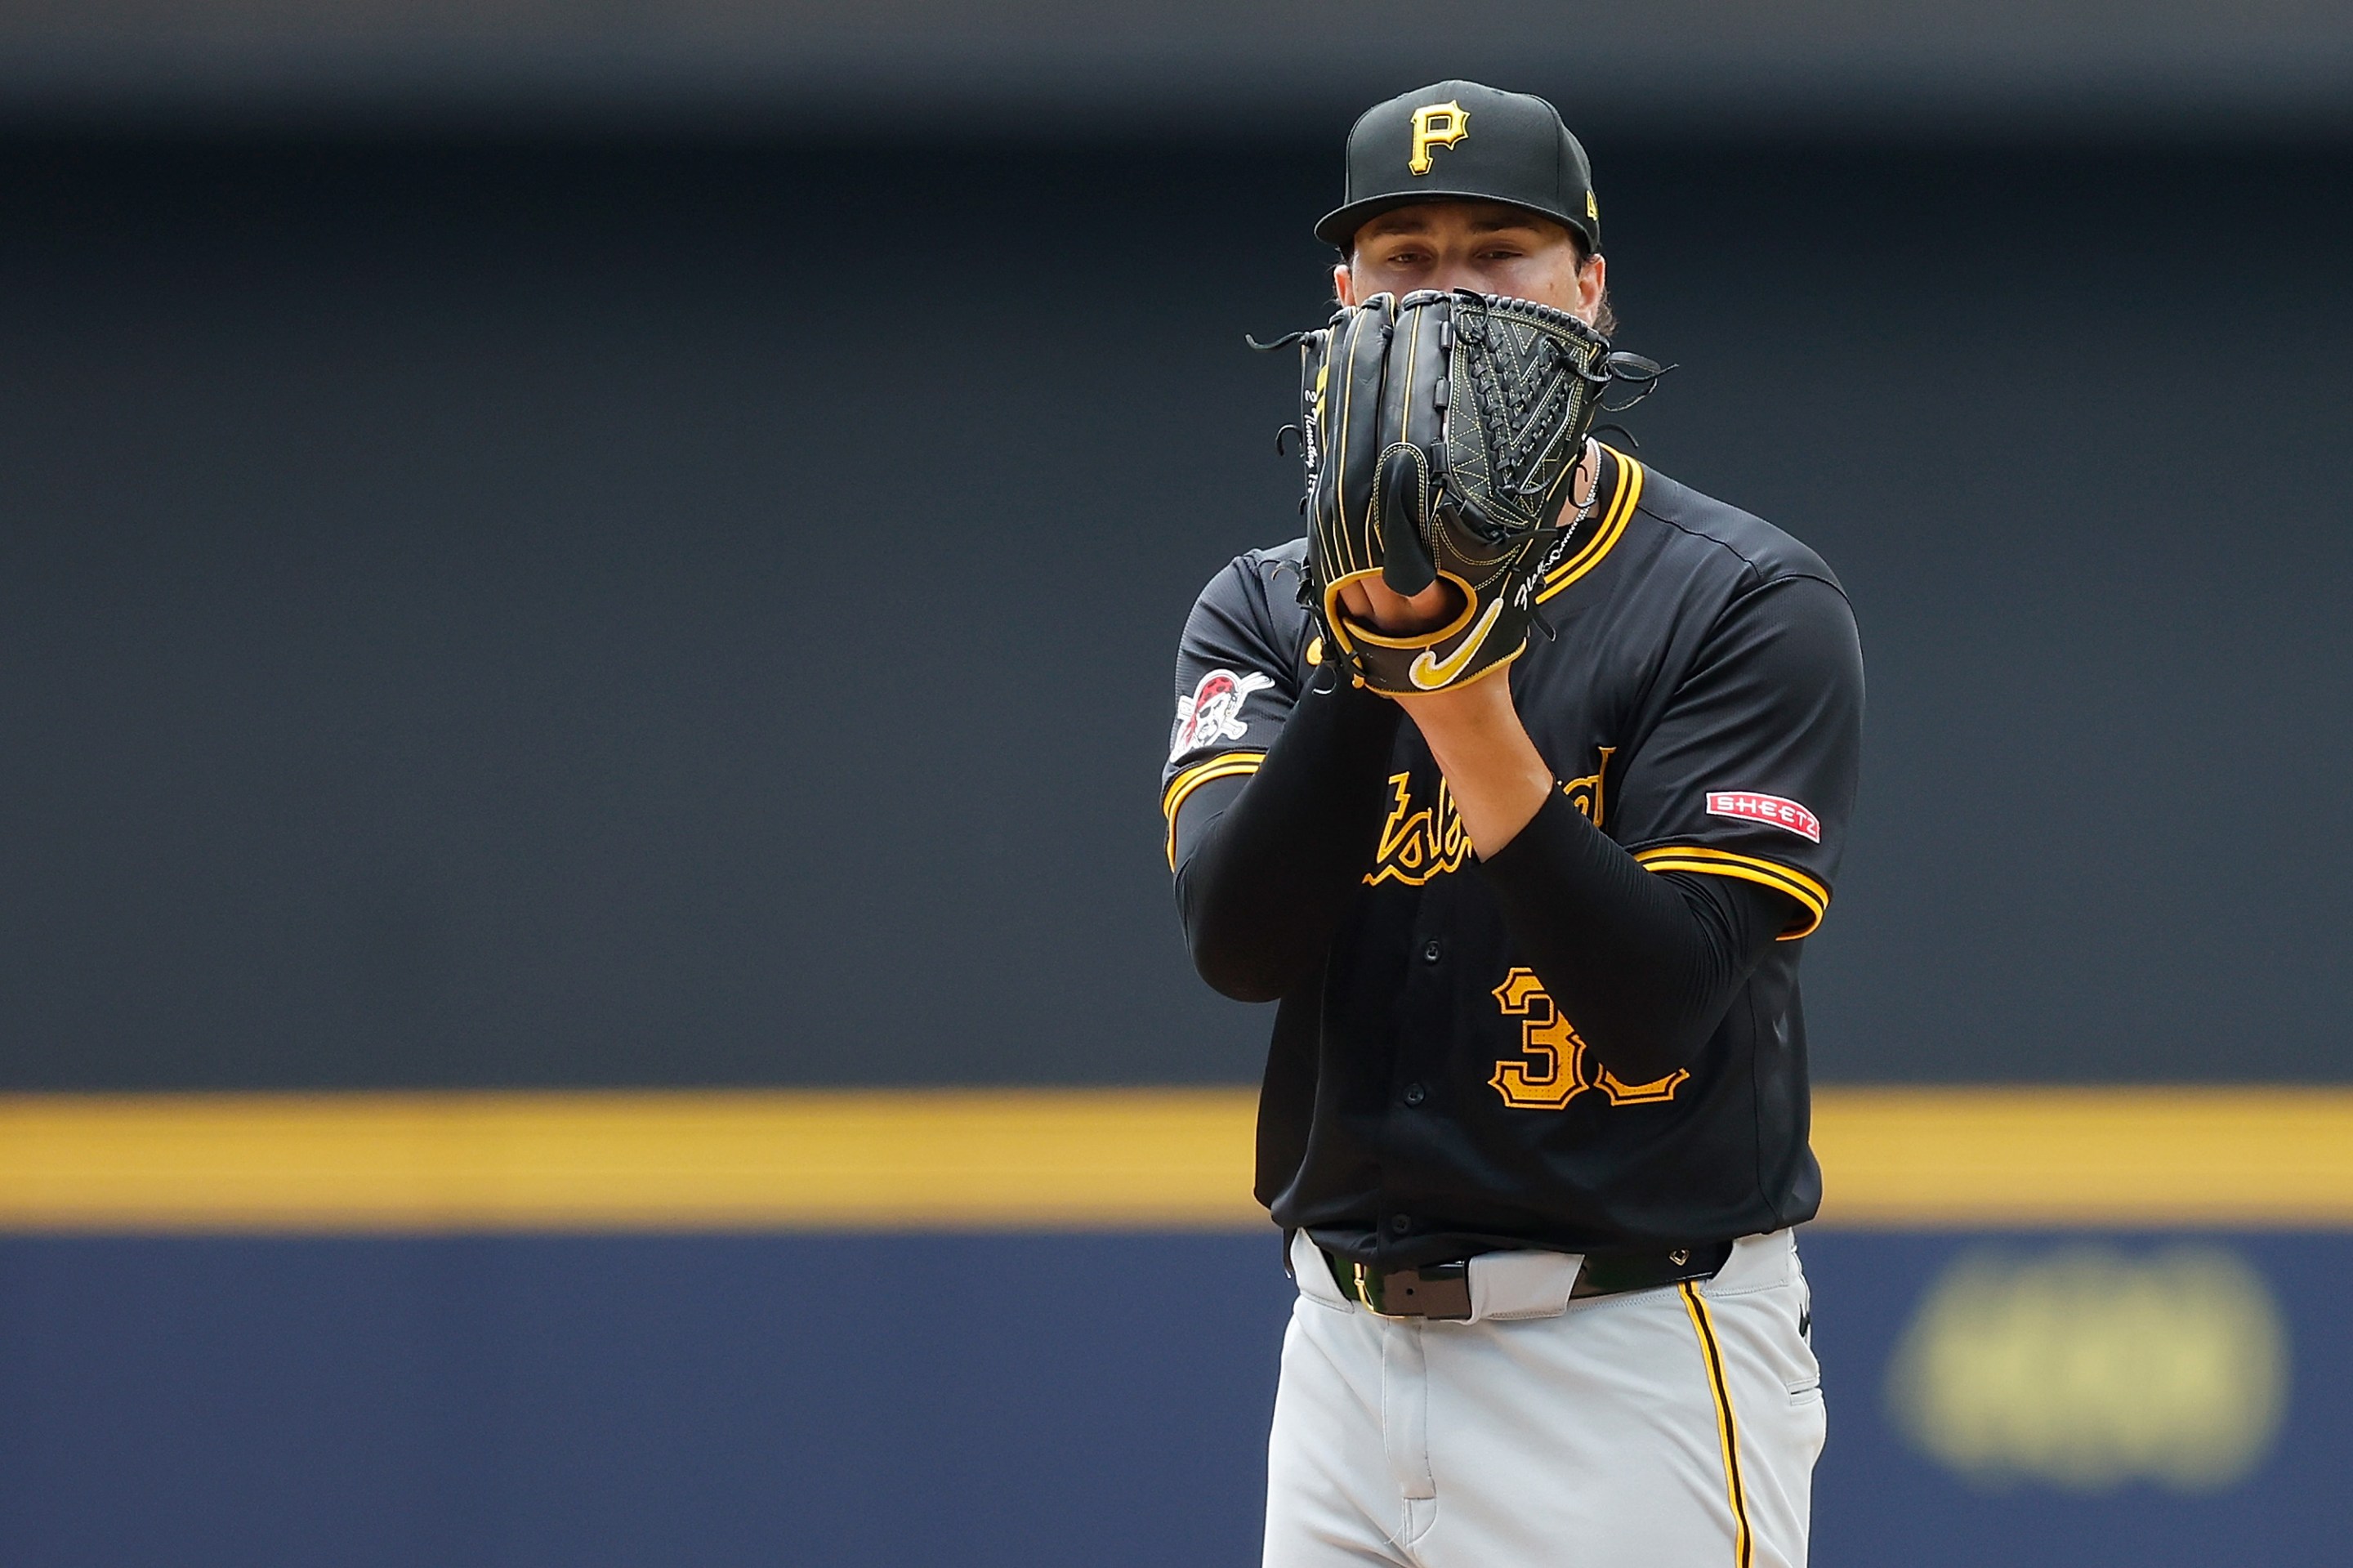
(1214,712)
(1765,809)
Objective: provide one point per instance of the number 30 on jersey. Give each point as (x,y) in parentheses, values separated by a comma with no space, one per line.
(1552,1067)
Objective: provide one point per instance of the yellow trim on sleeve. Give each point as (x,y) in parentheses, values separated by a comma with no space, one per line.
(1605,538)
(1194,777)
(1812,894)
(1226,765)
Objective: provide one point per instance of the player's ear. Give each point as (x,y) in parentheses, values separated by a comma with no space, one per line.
(1343,285)
(1592,288)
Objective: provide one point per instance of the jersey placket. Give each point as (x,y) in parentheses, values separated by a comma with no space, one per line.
(1426,1024)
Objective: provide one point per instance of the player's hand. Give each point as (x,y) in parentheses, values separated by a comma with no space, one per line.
(1372,602)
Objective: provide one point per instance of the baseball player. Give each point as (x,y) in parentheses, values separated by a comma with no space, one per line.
(1519,783)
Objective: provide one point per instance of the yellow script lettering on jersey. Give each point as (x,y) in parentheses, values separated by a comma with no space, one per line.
(1418,843)
(1585,794)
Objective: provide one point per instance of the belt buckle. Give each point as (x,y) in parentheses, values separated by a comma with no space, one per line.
(1440,1292)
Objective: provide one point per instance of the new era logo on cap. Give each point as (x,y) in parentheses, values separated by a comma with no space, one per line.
(1765,809)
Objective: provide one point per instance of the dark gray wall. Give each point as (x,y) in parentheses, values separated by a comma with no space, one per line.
(802,69)
(502,613)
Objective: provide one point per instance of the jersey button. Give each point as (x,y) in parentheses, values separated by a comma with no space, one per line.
(1400,1225)
(1415,1093)
(1432,951)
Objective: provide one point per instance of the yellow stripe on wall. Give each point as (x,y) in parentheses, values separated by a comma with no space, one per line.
(1954,1157)
(813,1159)
(1074,1159)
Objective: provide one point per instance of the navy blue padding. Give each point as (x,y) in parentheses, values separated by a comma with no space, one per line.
(848,1401)
(644,1401)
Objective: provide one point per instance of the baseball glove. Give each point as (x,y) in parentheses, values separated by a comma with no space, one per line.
(1441,432)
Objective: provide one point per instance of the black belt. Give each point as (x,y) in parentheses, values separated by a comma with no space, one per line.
(1441,1291)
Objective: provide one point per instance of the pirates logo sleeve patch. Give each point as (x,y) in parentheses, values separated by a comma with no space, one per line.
(1214,712)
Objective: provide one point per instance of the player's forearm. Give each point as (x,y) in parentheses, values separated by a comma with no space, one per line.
(1644,965)
(1266,865)
(1493,769)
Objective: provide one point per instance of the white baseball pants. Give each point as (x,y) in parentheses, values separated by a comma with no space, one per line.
(1668,1429)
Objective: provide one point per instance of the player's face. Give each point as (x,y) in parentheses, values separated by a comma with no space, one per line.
(1481,245)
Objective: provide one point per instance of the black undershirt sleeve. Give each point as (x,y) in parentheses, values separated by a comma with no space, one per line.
(1646,963)
(1266,865)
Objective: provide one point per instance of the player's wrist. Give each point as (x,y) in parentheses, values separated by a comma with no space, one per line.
(1498,779)
(1471,711)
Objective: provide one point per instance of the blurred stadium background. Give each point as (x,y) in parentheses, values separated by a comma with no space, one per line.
(588,595)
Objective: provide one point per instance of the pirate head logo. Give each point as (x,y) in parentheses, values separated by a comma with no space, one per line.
(1214,712)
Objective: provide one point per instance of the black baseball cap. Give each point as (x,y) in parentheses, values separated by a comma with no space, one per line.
(1460,140)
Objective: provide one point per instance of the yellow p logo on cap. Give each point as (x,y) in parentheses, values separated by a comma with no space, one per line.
(1436,125)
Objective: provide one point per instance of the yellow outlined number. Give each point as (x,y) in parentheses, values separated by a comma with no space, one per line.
(1550,1070)
(1546,1078)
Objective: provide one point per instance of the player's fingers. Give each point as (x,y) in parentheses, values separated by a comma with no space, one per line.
(1377,604)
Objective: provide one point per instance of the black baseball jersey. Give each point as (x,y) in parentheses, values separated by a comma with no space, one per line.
(1702,704)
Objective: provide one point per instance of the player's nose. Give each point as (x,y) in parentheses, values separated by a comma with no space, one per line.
(1454,272)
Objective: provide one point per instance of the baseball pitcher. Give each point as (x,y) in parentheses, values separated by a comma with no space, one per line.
(1519,783)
